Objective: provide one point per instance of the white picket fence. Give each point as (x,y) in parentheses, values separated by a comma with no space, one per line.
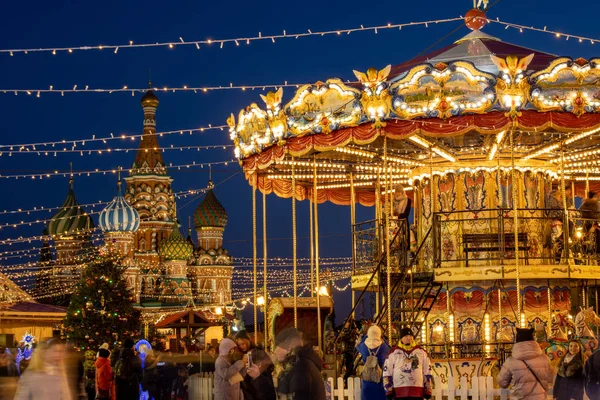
(482,388)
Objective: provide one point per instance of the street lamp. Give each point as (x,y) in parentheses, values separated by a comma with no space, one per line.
(323,291)
(260,301)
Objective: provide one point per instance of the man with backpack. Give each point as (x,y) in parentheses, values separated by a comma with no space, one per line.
(128,373)
(373,351)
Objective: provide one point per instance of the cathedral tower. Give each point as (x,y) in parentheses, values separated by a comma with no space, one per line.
(119,221)
(212,274)
(149,189)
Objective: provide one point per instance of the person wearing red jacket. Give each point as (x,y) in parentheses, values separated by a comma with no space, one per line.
(104,376)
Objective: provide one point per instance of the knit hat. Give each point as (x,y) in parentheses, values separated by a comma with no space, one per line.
(226,346)
(524,335)
(104,346)
(242,335)
(406,332)
(373,339)
(104,353)
(287,334)
(128,344)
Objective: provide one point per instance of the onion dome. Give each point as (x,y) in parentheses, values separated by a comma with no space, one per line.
(176,247)
(119,216)
(149,99)
(70,219)
(210,213)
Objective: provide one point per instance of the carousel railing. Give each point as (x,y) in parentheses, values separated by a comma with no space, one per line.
(486,237)
(368,245)
(500,350)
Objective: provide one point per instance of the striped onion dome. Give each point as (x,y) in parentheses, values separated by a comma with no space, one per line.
(176,247)
(70,219)
(119,215)
(210,212)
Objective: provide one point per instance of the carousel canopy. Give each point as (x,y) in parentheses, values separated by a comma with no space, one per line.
(478,104)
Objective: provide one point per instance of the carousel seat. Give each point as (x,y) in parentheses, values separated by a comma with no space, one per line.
(488,242)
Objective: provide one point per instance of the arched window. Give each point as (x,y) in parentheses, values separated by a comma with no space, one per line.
(142,244)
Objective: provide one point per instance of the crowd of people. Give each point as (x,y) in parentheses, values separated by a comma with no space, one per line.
(242,371)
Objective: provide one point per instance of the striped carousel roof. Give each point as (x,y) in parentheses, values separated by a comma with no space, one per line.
(119,216)
(70,219)
(210,212)
(176,247)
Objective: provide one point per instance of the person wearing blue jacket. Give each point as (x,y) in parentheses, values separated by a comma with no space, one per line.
(373,344)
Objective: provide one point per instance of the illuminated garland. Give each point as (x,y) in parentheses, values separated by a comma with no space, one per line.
(65,174)
(50,153)
(105,139)
(222,42)
(556,34)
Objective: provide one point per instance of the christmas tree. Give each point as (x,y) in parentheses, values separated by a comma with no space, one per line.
(101,309)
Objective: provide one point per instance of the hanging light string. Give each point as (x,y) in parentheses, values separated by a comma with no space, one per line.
(174,89)
(180,194)
(112,136)
(106,150)
(88,231)
(96,171)
(556,34)
(221,42)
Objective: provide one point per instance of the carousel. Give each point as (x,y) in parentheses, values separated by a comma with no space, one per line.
(488,146)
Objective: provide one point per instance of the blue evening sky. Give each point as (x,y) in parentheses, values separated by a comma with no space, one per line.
(77,116)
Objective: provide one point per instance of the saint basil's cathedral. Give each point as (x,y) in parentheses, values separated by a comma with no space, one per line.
(165,271)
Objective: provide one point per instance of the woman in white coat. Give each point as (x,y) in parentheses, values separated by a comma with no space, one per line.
(228,374)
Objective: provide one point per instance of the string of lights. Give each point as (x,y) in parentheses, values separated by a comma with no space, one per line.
(556,34)
(110,150)
(105,139)
(65,174)
(180,194)
(221,42)
(173,89)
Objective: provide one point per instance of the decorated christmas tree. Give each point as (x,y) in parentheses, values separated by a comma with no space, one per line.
(101,309)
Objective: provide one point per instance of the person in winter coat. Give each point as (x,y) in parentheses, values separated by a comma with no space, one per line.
(260,375)
(528,372)
(128,372)
(301,376)
(180,386)
(373,345)
(407,371)
(228,373)
(244,347)
(569,383)
(348,338)
(104,376)
(45,377)
(591,371)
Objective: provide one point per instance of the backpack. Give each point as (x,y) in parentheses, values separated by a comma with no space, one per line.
(372,371)
(124,369)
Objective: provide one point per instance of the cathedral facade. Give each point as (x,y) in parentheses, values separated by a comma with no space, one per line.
(165,271)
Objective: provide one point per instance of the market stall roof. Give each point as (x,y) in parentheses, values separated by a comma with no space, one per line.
(11,293)
(196,319)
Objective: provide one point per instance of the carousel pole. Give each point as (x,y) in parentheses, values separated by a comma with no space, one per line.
(587,183)
(388,209)
(378,235)
(254,261)
(294,246)
(565,208)
(548,325)
(317,277)
(312,249)
(265,293)
(352,222)
(515,225)
(499,331)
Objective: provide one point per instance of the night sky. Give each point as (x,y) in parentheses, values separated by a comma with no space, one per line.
(28,119)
